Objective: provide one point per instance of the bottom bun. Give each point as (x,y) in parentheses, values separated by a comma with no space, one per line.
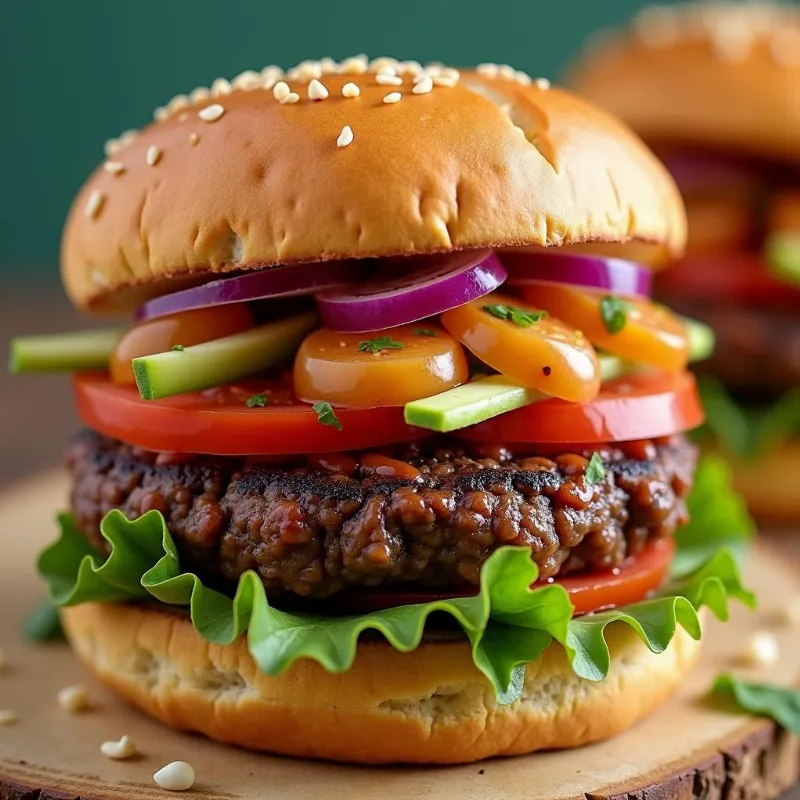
(430,705)
(771,484)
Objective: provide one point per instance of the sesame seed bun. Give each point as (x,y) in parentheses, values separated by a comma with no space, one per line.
(427,706)
(721,75)
(256,173)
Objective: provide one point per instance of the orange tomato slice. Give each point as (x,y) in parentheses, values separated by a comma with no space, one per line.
(648,334)
(183,329)
(544,354)
(385,368)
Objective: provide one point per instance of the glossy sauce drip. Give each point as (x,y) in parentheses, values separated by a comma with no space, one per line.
(338,463)
(388,467)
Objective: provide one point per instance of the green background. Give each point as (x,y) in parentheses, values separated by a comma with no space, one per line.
(73,74)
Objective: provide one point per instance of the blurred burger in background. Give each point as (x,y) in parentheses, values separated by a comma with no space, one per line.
(714,88)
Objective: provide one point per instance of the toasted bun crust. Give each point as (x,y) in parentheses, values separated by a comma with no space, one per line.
(265,183)
(714,74)
(771,485)
(430,705)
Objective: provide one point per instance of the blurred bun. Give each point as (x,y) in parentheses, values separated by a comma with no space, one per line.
(722,75)
(241,181)
(429,705)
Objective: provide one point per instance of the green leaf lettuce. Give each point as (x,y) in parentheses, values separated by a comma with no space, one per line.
(779,703)
(507,623)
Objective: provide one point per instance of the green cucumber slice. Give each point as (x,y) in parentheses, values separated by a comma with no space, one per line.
(702,339)
(221,361)
(64,352)
(783,256)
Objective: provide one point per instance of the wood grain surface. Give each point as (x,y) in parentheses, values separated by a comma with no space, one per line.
(49,755)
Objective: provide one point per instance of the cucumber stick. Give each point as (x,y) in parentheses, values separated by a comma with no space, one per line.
(489,397)
(783,255)
(64,352)
(221,360)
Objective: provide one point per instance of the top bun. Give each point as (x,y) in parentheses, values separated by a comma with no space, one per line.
(232,179)
(721,75)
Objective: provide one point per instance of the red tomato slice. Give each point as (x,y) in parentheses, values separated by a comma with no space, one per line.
(733,278)
(645,405)
(629,583)
(218,421)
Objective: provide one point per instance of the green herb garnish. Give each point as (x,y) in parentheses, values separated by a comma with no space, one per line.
(326,415)
(518,316)
(781,703)
(178,347)
(379,344)
(595,469)
(614,311)
(257,401)
(425,332)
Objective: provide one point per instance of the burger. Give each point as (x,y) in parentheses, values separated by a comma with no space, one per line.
(390,465)
(714,88)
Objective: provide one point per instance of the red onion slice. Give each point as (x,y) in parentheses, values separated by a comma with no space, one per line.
(288,280)
(594,272)
(447,282)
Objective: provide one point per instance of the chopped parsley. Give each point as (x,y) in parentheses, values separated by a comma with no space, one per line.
(595,470)
(614,311)
(178,347)
(257,401)
(326,415)
(380,344)
(425,332)
(518,316)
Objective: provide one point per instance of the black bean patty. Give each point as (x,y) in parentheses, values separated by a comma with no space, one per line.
(314,533)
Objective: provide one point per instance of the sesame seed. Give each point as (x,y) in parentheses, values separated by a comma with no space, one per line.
(220,87)
(281,90)
(355,65)
(423,86)
(542,83)
(328,65)
(270,76)
(378,64)
(211,113)
(506,108)
(7,717)
(306,70)
(386,69)
(73,699)
(183,116)
(385,79)
(316,90)
(762,649)
(247,80)
(450,72)
(434,68)
(290,99)
(178,103)
(488,70)
(127,137)
(153,155)
(392,97)
(345,137)
(200,94)
(523,79)
(160,114)
(350,90)
(98,278)
(114,167)
(111,147)
(118,751)
(414,67)
(443,80)
(94,204)
(657,26)
(177,776)
(731,43)
(507,71)
(193,139)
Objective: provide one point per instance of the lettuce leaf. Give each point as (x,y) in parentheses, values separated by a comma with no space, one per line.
(508,623)
(747,432)
(780,703)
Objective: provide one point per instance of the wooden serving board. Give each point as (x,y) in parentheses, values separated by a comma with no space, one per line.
(692,748)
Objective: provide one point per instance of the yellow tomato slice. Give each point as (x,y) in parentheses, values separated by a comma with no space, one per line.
(544,354)
(635,328)
(385,368)
(183,329)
